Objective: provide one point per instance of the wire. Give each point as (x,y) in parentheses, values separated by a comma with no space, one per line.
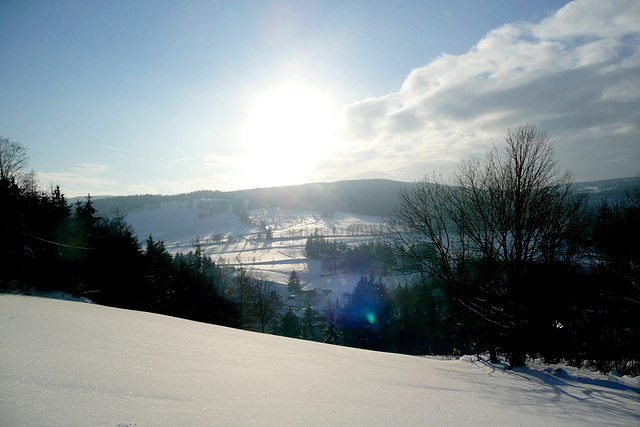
(56,243)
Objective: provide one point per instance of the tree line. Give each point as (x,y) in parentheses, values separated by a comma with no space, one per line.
(503,258)
(49,245)
(525,266)
(373,257)
(506,258)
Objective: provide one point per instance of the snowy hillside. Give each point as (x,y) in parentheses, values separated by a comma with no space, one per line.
(223,235)
(75,364)
(209,217)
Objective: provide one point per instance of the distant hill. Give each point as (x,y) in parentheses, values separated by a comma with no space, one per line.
(368,197)
(608,189)
(374,197)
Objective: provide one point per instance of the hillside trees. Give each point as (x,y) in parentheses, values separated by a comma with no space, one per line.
(29,224)
(332,333)
(616,244)
(264,302)
(317,247)
(114,263)
(158,264)
(365,316)
(195,289)
(308,326)
(501,217)
(289,325)
(240,293)
(613,310)
(363,258)
(46,245)
(257,301)
(425,321)
(35,226)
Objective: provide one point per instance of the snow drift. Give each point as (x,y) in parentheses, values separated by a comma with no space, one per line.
(71,363)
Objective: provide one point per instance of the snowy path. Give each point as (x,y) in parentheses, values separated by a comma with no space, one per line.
(66,363)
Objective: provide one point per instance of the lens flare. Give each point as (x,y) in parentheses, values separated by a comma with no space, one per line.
(371,317)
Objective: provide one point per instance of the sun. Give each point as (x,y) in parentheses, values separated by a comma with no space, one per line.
(288,128)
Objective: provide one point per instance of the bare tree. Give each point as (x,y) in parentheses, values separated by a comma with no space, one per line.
(265,301)
(258,302)
(241,294)
(28,182)
(481,233)
(13,158)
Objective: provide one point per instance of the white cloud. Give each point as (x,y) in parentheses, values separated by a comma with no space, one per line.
(591,18)
(82,179)
(575,74)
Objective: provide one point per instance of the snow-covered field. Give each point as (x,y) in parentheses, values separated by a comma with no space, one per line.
(223,235)
(68,363)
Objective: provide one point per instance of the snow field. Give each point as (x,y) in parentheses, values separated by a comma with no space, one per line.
(71,363)
(179,224)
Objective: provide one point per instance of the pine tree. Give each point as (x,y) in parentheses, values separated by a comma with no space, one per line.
(366,315)
(290,325)
(293,285)
(159,275)
(308,325)
(332,333)
(85,212)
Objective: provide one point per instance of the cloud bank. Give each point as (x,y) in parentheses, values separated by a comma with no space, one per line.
(575,74)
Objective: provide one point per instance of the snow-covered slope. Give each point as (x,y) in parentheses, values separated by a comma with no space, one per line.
(70,363)
(208,217)
(223,236)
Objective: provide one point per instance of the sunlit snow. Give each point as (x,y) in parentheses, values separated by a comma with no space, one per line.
(72,363)
(224,236)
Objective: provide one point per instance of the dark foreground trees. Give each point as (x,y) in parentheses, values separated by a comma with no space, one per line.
(46,245)
(507,261)
(256,300)
(614,317)
(483,234)
(365,316)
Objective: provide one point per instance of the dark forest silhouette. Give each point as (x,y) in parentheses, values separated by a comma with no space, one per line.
(584,312)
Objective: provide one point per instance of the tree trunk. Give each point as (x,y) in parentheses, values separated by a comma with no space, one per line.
(491,342)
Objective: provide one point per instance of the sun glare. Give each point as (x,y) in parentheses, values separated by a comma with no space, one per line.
(287,130)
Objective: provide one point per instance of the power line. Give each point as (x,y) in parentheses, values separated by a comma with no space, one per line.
(56,243)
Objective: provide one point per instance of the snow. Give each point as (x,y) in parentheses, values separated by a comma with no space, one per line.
(180,224)
(70,363)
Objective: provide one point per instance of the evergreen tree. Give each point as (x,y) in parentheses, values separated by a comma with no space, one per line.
(308,327)
(290,325)
(366,314)
(293,284)
(159,274)
(114,266)
(85,212)
(332,333)
(614,307)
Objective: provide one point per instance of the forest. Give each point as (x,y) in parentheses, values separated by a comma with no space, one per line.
(504,259)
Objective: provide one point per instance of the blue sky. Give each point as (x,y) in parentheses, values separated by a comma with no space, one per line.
(130,97)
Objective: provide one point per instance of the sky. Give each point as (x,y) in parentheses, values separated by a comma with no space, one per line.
(164,97)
